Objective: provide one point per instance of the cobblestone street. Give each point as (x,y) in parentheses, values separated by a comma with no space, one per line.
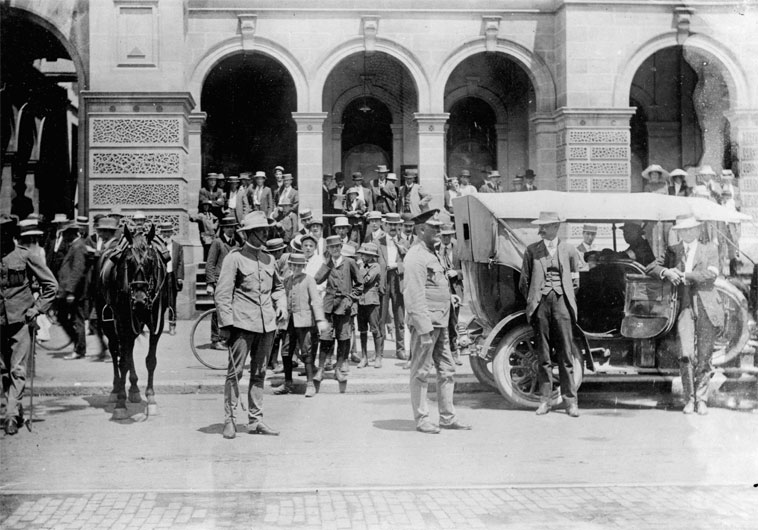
(636,507)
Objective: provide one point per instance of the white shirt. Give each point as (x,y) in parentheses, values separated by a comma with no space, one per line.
(391,253)
(58,241)
(170,264)
(552,246)
(232,202)
(689,253)
(468,189)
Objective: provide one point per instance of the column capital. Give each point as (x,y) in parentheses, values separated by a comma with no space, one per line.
(309,122)
(196,121)
(592,117)
(431,123)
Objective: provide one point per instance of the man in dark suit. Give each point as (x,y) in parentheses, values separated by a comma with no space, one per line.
(365,194)
(375,234)
(384,191)
(693,267)
(220,247)
(446,253)
(328,188)
(529,181)
(57,247)
(72,290)
(394,249)
(175,272)
(548,275)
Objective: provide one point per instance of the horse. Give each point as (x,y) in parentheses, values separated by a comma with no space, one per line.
(135,296)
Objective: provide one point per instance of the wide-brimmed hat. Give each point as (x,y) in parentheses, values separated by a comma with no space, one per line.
(428,217)
(678,173)
(354,190)
(548,218)
(60,218)
(275,244)
(228,221)
(654,167)
(348,250)
(407,219)
(382,169)
(314,221)
(447,229)
(297,259)
(706,170)
(333,240)
(686,221)
(494,174)
(370,216)
(139,216)
(369,249)
(393,218)
(280,168)
(590,228)
(246,175)
(341,221)
(211,176)
(465,173)
(357,176)
(233,178)
(111,223)
(288,176)
(391,176)
(254,220)
(259,175)
(727,174)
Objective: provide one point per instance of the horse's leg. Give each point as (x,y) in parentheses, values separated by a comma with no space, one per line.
(151,362)
(126,347)
(134,394)
(114,349)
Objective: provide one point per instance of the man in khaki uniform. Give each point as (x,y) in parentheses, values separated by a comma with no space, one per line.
(427,298)
(250,303)
(18,308)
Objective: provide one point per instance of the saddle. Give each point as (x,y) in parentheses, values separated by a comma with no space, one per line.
(650,307)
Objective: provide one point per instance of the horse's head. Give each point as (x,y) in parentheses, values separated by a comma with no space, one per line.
(143,268)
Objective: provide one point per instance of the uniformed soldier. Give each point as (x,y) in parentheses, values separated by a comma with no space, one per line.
(427,298)
(17,309)
(251,304)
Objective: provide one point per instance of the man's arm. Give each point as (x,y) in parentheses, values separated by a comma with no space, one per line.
(710,272)
(48,286)
(526,273)
(78,269)
(224,293)
(323,272)
(279,297)
(317,305)
(179,270)
(211,275)
(416,308)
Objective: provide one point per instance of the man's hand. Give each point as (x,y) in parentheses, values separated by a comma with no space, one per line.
(31,314)
(426,339)
(323,326)
(209,290)
(673,275)
(451,273)
(279,314)
(456,300)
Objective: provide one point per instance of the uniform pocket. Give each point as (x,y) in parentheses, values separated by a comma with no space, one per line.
(16,277)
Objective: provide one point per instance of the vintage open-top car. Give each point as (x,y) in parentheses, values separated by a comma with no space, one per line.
(625,318)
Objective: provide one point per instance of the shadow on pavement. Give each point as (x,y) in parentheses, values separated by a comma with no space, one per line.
(218,428)
(395,425)
(136,411)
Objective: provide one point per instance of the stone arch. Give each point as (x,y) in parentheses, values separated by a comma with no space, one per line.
(233,46)
(386,97)
(356,45)
(534,66)
(483,93)
(734,75)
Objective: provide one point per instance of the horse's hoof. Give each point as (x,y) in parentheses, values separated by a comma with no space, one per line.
(135,397)
(113,397)
(152,408)
(120,414)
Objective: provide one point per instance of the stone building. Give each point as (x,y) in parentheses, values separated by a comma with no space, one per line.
(127,103)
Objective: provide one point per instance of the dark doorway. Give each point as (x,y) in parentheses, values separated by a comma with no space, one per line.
(471,140)
(366,136)
(249,99)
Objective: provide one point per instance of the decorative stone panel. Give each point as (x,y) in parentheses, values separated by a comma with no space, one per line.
(598,137)
(748,185)
(135,131)
(604,231)
(608,184)
(135,194)
(749,168)
(598,168)
(609,153)
(579,184)
(142,163)
(750,200)
(578,153)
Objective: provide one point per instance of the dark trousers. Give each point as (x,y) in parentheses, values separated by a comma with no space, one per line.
(258,345)
(368,318)
(299,339)
(281,341)
(553,326)
(206,248)
(171,283)
(696,336)
(393,299)
(452,328)
(16,344)
(71,318)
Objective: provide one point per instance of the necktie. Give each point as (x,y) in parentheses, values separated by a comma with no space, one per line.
(446,257)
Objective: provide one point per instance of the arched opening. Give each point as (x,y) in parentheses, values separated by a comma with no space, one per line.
(249,99)
(471,138)
(490,98)
(682,99)
(39,131)
(371,98)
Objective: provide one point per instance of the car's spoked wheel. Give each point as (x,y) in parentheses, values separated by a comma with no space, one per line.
(482,369)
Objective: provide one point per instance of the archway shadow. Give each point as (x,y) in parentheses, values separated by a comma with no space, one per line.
(395,425)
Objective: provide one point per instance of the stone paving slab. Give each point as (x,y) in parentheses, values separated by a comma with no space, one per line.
(562,506)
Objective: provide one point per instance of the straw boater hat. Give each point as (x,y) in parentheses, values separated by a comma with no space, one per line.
(374,215)
(166,226)
(276,244)
(407,219)
(254,220)
(233,178)
(60,218)
(548,218)
(686,221)
(245,175)
(678,173)
(727,174)
(369,249)
(259,175)
(348,250)
(391,176)
(654,167)
(29,227)
(494,174)
(382,169)
(221,176)
(393,218)
(592,229)
(333,240)
(306,213)
(228,221)
(314,221)
(210,176)
(297,259)
(280,168)
(341,221)
(110,223)
(447,230)
(82,220)
(139,215)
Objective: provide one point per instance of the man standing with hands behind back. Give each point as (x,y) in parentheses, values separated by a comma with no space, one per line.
(547,283)
(427,304)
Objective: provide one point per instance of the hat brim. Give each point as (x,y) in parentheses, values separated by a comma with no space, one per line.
(551,222)
(253,227)
(687,224)
(31,233)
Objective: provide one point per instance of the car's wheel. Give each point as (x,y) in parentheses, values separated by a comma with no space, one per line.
(735,333)
(515,368)
(482,369)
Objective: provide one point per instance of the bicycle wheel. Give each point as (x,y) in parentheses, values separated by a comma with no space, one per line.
(202,347)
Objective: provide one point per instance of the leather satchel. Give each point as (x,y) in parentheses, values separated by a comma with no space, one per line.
(650,307)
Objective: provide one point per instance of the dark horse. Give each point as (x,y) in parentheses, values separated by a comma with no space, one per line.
(134,297)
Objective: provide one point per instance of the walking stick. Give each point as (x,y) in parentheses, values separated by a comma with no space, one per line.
(32,369)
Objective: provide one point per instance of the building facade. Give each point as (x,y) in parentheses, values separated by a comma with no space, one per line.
(126,103)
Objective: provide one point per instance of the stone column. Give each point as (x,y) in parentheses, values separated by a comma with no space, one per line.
(397,148)
(310,163)
(337,147)
(431,154)
(501,155)
(138,158)
(744,133)
(193,251)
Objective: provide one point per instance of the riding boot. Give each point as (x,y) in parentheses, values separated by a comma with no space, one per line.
(688,390)
(364,350)
(378,350)
(341,371)
(353,348)
(310,388)
(345,355)
(324,355)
